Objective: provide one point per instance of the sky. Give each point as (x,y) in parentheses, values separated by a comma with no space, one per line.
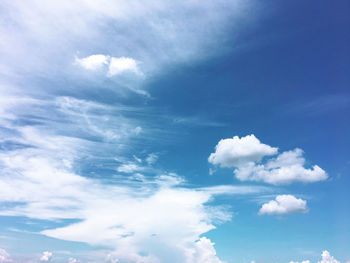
(174,131)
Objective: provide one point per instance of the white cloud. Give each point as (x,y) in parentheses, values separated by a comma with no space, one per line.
(327,258)
(149,30)
(128,219)
(246,153)
(304,261)
(72,260)
(93,62)
(116,65)
(286,168)
(46,256)
(203,252)
(284,204)
(235,151)
(123,64)
(129,168)
(4,256)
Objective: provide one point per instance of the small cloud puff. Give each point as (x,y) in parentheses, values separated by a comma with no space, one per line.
(46,256)
(115,65)
(284,204)
(93,62)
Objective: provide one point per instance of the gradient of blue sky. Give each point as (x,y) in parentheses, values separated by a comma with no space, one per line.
(132,146)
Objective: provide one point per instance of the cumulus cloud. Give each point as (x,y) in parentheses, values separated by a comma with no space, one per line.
(203,252)
(327,258)
(286,168)
(284,204)
(245,155)
(46,256)
(235,151)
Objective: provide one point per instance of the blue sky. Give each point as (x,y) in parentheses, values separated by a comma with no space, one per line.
(188,131)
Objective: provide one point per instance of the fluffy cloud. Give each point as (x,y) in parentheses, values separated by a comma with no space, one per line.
(284,204)
(93,62)
(236,151)
(246,153)
(203,252)
(327,258)
(115,65)
(286,168)
(121,65)
(46,256)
